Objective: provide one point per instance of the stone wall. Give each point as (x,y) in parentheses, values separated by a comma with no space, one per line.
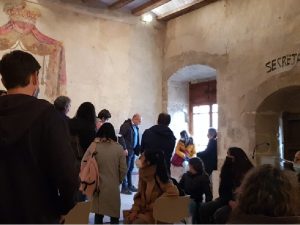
(251,45)
(178,105)
(113,61)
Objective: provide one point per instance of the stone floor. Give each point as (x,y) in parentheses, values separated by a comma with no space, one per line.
(127,200)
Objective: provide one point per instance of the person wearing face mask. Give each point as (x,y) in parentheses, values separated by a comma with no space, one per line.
(184,150)
(38,169)
(235,166)
(154,182)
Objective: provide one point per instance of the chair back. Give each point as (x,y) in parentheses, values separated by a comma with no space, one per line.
(79,214)
(171,209)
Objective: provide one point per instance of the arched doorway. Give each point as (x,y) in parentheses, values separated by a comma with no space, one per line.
(277,126)
(181,102)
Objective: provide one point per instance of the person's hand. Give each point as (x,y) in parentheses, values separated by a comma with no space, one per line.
(132,216)
(126,152)
(61,219)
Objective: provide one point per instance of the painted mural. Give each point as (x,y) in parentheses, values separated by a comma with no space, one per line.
(21,32)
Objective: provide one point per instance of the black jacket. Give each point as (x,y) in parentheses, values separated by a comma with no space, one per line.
(159,137)
(210,156)
(84,130)
(38,172)
(127,132)
(196,185)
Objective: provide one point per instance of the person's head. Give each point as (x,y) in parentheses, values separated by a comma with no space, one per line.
(19,70)
(266,191)
(62,104)
(2,92)
(157,158)
(164,119)
(191,141)
(238,161)
(297,163)
(104,115)
(184,136)
(196,166)
(136,119)
(107,131)
(212,133)
(86,111)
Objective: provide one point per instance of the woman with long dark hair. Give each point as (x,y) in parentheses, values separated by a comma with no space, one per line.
(83,126)
(154,182)
(112,170)
(83,132)
(235,167)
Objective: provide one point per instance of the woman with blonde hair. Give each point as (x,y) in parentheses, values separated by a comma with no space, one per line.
(266,196)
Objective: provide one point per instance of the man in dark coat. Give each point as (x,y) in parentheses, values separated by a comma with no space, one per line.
(39,178)
(210,156)
(62,104)
(130,133)
(161,137)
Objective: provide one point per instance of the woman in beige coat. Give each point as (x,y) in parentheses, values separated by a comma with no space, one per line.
(154,182)
(111,162)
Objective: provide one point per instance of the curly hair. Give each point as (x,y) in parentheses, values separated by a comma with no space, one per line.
(266,191)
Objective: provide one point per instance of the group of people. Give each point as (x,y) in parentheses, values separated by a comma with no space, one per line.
(42,150)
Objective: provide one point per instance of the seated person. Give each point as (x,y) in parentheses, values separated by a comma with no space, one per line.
(236,165)
(184,150)
(195,183)
(154,182)
(266,197)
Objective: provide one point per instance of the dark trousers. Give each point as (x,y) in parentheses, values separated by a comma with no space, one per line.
(221,216)
(99,219)
(127,182)
(207,210)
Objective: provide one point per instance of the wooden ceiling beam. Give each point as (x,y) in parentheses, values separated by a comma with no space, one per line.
(148,6)
(185,9)
(119,4)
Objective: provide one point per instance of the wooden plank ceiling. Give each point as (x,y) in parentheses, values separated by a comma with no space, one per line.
(163,10)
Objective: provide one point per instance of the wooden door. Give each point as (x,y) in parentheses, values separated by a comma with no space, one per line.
(291,134)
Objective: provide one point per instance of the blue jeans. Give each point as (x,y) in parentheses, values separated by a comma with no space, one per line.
(127,182)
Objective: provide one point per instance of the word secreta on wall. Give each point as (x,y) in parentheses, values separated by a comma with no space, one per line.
(283,61)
